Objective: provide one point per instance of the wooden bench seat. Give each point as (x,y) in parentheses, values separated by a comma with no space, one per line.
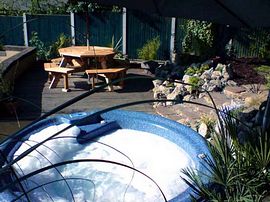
(56,72)
(56,60)
(108,74)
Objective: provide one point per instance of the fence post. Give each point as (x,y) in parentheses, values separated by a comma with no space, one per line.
(72,26)
(124,31)
(25,33)
(172,40)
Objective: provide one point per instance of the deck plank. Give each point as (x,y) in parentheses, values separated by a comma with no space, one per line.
(34,88)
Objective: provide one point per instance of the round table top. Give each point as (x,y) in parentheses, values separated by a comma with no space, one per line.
(83,51)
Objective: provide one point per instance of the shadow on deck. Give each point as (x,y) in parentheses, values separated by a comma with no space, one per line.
(36,97)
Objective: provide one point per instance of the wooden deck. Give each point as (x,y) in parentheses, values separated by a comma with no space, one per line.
(33,87)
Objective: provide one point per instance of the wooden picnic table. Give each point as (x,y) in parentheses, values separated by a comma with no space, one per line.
(81,54)
(75,59)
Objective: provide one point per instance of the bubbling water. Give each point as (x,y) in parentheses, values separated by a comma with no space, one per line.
(157,157)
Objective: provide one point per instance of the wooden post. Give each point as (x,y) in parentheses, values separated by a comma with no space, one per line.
(72,26)
(25,33)
(124,31)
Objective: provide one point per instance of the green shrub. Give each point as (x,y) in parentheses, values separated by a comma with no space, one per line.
(190,71)
(194,80)
(260,42)
(150,49)
(199,38)
(263,69)
(195,70)
(46,53)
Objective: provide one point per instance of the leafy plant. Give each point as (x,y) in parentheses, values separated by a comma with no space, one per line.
(265,71)
(210,122)
(196,70)
(61,42)
(150,49)
(116,46)
(191,71)
(260,42)
(199,38)
(81,6)
(42,50)
(239,170)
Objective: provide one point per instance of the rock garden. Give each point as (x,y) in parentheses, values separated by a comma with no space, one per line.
(239,85)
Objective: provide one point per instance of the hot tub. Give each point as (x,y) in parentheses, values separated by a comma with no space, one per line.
(117,156)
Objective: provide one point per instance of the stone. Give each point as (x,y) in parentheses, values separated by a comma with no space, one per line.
(178,83)
(161,90)
(186,78)
(210,71)
(213,85)
(157,82)
(226,76)
(202,95)
(217,85)
(205,75)
(216,75)
(231,83)
(165,83)
(174,95)
(203,129)
(234,92)
(220,67)
(188,88)
(187,98)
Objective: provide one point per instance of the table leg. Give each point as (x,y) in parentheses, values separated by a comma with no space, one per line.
(55,80)
(108,81)
(122,75)
(65,89)
(63,62)
(93,81)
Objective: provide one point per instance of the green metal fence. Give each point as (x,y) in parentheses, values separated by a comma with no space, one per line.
(48,27)
(11,30)
(103,27)
(249,42)
(142,27)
